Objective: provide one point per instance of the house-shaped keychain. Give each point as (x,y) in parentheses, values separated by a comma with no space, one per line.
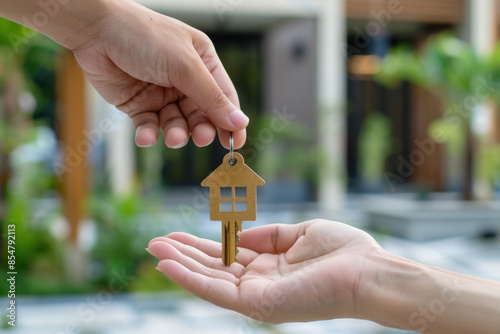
(233,199)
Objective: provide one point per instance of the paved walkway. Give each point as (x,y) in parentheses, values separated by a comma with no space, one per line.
(155,314)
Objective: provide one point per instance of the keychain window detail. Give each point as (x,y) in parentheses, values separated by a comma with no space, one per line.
(233,199)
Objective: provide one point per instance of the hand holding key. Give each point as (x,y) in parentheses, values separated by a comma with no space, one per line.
(161,72)
(301,272)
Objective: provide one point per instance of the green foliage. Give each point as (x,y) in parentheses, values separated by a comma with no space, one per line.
(120,244)
(28,64)
(24,53)
(444,132)
(488,163)
(451,63)
(11,137)
(21,39)
(38,251)
(446,66)
(29,57)
(402,64)
(375,144)
(288,153)
(117,246)
(11,32)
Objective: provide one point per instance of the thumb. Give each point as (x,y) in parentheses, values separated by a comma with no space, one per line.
(273,239)
(196,82)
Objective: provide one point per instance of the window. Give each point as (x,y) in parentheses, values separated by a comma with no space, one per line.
(233,199)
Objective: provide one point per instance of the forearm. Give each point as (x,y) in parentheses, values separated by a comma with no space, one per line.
(68,22)
(408,295)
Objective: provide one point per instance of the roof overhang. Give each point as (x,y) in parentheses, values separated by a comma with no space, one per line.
(234,15)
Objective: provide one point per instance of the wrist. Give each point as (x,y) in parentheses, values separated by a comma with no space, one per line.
(80,22)
(404,294)
(69,23)
(393,290)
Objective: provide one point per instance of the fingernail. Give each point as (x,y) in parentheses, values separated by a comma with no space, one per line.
(139,128)
(238,118)
(147,250)
(158,269)
(209,142)
(182,144)
(137,131)
(148,145)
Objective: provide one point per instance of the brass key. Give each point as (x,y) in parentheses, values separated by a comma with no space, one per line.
(230,238)
(233,199)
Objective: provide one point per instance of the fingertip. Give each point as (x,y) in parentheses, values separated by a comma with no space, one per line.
(176,137)
(242,239)
(238,119)
(172,269)
(184,238)
(146,135)
(157,248)
(203,134)
(164,264)
(157,239)
(152,249)
(239,138)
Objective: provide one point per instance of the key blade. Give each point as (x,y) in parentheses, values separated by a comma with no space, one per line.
(229,239)
(237,238)
(226,243)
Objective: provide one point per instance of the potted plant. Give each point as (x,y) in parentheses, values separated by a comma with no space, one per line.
(449,68)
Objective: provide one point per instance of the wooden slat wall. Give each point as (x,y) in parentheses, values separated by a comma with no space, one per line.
(427,108)
(426,11)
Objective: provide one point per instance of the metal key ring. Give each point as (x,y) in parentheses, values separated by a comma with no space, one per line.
(232,161)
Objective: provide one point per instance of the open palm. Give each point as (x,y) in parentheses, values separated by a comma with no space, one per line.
(301,272)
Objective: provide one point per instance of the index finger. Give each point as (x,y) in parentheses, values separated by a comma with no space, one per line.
(194,80)
(216,68)
(217,291)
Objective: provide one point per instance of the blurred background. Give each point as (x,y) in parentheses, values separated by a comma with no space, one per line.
(380,114)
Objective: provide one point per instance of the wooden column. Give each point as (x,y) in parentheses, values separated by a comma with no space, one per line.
(481,27)
(496,38)
(331,100)
(71,125)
